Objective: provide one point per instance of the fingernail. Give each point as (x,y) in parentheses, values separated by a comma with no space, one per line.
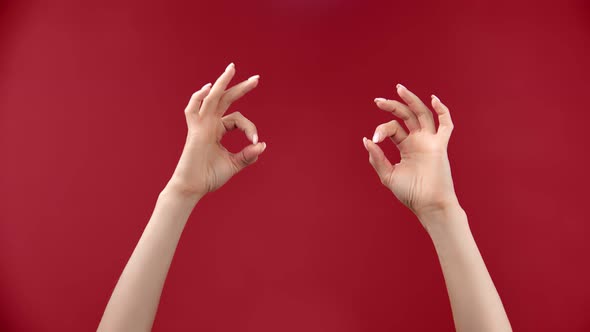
(263,146)
(255,77)
(365,142)
(399,86)
(379,99)
(255,138)
(435,98)
(376,138)
(206,86)
(230,66)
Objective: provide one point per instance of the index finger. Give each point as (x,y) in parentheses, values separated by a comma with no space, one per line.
(423,114)
(236,92)
(212,100)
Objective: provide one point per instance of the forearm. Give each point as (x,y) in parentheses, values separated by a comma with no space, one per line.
(475,302)
(134,301)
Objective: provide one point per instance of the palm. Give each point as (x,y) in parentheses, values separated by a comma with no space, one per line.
(220,165)
(421,176)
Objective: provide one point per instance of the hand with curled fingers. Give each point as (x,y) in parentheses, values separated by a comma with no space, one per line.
(205,164)
(421,180)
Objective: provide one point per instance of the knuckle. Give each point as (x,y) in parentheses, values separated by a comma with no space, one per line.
(206,100)
(406,116)
(248,123)
(394,104)
(387,105)
(243,162)
(401,106)
(225,103)
(402,113)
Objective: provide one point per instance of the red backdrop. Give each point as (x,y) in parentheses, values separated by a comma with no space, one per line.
(91,106)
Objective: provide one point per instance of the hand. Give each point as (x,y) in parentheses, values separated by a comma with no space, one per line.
(422,179)
(205,165)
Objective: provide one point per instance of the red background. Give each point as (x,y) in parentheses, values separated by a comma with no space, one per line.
(91,106)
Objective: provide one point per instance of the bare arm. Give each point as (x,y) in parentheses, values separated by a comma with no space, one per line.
(204,166)
(475,302)
(422,181)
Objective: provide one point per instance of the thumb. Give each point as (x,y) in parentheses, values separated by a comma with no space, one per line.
(248,155)
(378,160)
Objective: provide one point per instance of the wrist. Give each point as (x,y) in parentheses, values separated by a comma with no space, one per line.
(179,193)
(173,207)
(443,218)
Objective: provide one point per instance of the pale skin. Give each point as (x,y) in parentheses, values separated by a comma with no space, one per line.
(204,166)
(421,181)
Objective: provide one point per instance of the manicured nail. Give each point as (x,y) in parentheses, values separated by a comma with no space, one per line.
(379,99)
(399,86)
(255,138)
(230,66)
(365,142)
(376,138)
(255,77)
(206,86)
(435,98)
(263,146)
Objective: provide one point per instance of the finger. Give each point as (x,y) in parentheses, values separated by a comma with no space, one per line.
(195,102)
(445,123)
(236,92)
(423,114)
(237,120)
(400,110)
(248,155)
(391,129)
(378,160)
(211,101)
